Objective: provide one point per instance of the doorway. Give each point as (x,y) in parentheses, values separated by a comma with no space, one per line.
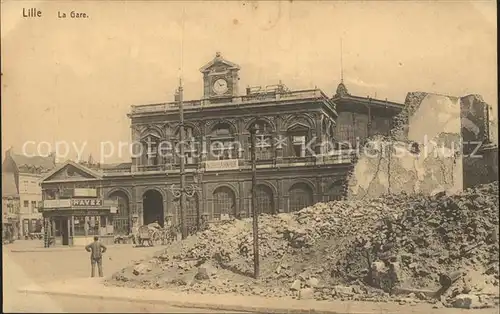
(64,231)
(153,207)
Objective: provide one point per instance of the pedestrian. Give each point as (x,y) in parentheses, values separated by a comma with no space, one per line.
(97,249)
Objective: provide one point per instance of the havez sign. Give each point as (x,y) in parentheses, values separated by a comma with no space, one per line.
(86,202)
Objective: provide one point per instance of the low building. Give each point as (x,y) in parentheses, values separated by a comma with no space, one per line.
(73,215)
(26,172)
(10,207)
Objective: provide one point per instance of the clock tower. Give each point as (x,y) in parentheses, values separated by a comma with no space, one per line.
(220,79)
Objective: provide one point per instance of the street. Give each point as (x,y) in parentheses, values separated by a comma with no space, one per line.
(26,268)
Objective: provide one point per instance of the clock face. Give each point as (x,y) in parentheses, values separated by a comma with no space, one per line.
(220,86)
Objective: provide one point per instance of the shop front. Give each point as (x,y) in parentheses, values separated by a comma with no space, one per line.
(8,231)
(75,222)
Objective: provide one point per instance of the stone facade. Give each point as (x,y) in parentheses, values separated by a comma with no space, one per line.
(296,131)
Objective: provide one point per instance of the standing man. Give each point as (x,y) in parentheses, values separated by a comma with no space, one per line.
(96,248)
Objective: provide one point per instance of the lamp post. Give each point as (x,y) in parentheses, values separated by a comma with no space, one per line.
(187,191)
(255,215)
(182,174)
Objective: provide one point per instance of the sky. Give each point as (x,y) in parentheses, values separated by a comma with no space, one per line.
(74,80)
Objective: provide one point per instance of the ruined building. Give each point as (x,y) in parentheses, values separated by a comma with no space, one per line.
(299,134)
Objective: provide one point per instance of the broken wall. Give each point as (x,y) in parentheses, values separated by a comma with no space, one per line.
(423,155)
(480,156)
(481,167)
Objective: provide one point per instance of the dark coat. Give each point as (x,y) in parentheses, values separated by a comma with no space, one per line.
(97,248)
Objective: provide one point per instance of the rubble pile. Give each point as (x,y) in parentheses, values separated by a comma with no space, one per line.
(436,235)
(231,244)
(364,249)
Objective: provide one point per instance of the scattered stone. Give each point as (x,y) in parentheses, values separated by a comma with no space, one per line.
(202,274)
(306,293)
(312,282)
(421,296)
(179,282)
(141,269)
(342,291)
(295,285)
(438,305)
(466,301)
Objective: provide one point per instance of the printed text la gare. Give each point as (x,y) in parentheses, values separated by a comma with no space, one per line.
(72,14)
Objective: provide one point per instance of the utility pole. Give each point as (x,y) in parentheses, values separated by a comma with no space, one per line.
(182,200)
(255,214)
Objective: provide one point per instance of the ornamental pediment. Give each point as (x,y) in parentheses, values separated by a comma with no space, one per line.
(71,170)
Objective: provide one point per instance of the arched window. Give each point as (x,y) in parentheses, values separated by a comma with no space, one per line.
(300,196)
(265,200)
(264,141)
(191,140)
(223,144)
(224,202)
(121,221)
(298,136)
(150,155)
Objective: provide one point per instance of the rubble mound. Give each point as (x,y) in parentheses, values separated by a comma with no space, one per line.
(362,249)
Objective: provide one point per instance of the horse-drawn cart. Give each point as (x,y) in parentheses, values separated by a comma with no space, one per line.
(148,234)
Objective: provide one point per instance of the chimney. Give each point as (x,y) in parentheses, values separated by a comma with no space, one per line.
(248,91)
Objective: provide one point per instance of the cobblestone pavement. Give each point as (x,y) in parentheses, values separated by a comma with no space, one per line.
(25,268)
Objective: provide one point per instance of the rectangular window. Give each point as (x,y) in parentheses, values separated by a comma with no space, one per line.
(26,204)
(33,225)
(34,206)
(297,140)
(345,135)
(79,225)
(298,145)
(38,225)
(93,225)
(263,147)
(25,186)
(190,151)
(225,149)
(89,225)
(189,158)
(152,151)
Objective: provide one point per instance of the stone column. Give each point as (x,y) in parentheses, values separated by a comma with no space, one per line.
(278,139)
(135,139)
(241,191)
(279,197)
(318,193)
(241,139)
(318,133)
(237,205)
(138,206)
(70,235)
(165,206)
